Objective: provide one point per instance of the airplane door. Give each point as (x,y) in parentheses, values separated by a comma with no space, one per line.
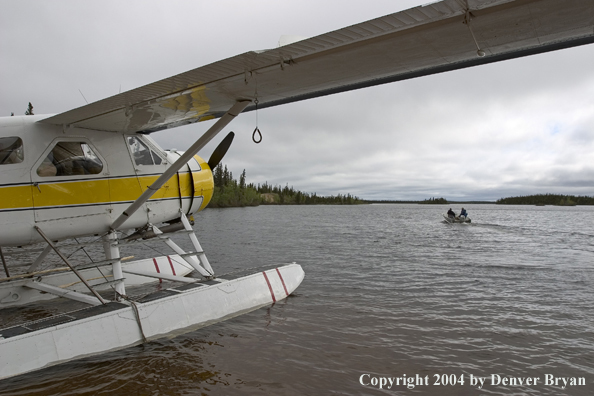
(71,188)
(149,163)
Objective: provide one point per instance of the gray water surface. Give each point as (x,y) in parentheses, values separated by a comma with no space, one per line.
(390,290)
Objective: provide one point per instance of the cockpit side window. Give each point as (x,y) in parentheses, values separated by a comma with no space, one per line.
(142,153)
(11,150)
(70,159)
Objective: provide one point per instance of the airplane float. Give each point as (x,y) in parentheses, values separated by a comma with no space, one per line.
(95,171)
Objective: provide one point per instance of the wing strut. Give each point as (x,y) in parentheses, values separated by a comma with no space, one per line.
(181,161)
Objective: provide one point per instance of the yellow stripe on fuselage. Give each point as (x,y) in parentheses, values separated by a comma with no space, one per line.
(15,197)
(102,191)
(82,192)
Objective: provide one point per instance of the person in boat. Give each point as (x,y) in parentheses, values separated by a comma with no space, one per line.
(463,213)
(451,213)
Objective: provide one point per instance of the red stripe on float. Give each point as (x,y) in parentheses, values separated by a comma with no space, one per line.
(269,287)
(282,280)
(171,264)
(157,267)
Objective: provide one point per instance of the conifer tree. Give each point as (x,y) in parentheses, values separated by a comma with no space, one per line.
(242,180)
(218,175)
(226,176)
(29,109)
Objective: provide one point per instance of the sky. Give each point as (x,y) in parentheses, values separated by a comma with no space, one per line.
(519,127)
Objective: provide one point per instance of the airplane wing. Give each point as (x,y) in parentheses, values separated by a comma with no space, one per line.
(438,37)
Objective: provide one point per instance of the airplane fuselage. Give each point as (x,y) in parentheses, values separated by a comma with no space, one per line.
(72,181)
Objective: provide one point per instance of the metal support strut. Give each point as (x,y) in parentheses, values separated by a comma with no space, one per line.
(40,259)
(4,263)
(187,258)
(112,251)
(69,265)
(233,112)
(197,247)
(467,18)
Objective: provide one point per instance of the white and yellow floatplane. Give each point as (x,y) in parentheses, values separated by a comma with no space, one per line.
(95,171)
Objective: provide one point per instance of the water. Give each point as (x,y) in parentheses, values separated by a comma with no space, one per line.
(390,290)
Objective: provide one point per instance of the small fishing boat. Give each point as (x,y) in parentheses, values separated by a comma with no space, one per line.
(457,219)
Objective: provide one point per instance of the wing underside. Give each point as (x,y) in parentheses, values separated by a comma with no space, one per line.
(429,39)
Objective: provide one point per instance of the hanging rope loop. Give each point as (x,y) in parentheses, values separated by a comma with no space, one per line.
(257,131)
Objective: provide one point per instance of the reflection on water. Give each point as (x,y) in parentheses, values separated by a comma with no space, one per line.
(389,290)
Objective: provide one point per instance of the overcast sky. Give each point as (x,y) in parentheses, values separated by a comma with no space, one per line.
(518,127)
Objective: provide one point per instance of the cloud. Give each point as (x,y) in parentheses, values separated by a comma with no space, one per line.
(516,127)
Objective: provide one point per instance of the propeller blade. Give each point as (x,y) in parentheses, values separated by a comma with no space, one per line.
(220,151)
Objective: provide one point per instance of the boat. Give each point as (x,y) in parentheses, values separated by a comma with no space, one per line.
(457,219)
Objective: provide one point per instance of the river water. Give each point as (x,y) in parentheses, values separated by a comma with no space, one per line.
(390,291)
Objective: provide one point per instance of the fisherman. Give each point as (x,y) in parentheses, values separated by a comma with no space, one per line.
(463,213)
(451,213)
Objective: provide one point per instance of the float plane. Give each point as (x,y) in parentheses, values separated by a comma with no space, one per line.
(96,171)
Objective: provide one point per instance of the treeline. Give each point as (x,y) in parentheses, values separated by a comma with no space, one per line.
(436,201)
(547,199)
(289,196)
(229,192)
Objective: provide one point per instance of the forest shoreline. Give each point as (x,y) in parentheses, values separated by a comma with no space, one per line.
(231,193)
